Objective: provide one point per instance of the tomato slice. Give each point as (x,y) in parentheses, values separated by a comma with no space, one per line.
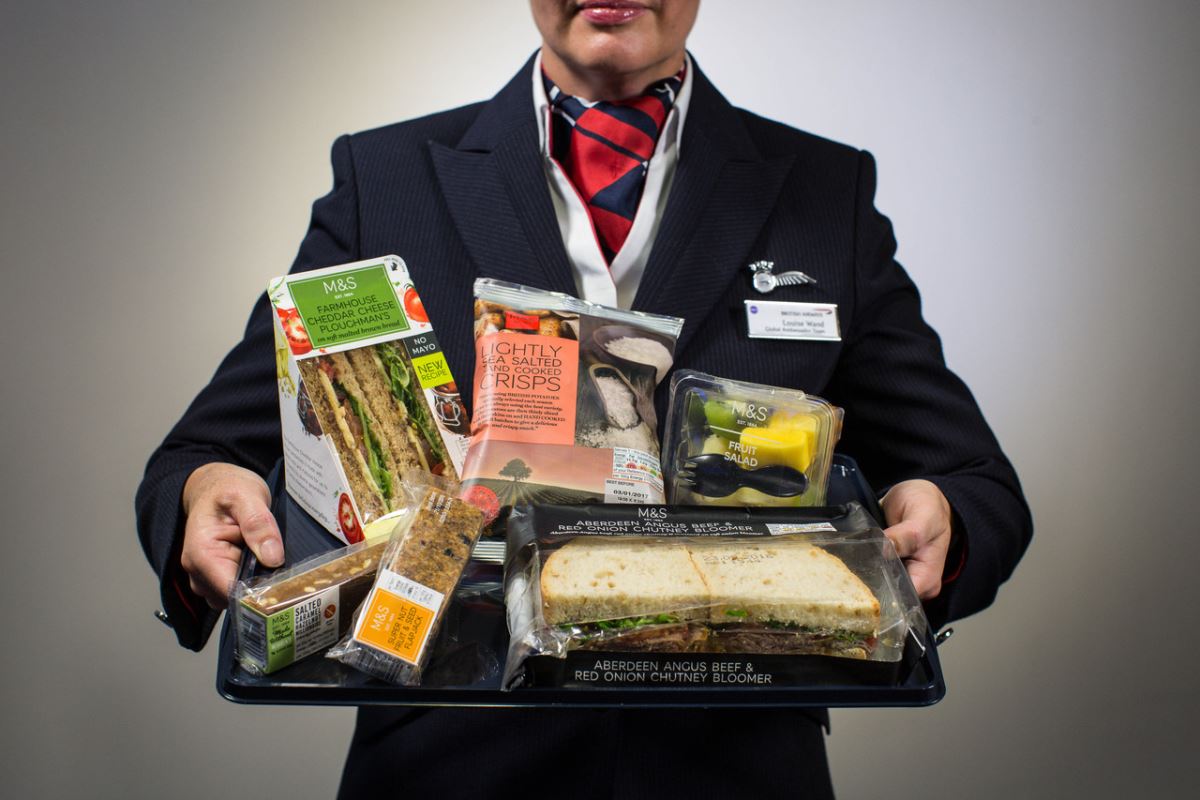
(347,521)
(413,305)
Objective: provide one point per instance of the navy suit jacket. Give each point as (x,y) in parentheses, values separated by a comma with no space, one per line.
(462,194)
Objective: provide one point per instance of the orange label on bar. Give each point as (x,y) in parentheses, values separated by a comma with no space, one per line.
(395,625)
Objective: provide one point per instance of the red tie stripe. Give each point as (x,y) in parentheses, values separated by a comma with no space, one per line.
(604,149)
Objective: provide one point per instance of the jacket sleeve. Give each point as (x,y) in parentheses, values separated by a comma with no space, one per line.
(235,418)
(908,416)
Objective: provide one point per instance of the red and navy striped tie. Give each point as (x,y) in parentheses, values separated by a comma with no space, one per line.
(605,150)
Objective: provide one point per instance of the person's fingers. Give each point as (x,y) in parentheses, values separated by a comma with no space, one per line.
(926,577)
(906,537)
(208,581)
(210,560)
(920,555)
(251,512)
(226,506)
(918,519)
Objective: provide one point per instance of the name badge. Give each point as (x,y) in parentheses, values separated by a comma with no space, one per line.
(774,319)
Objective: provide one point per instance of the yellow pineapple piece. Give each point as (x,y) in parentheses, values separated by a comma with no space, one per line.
(788,439)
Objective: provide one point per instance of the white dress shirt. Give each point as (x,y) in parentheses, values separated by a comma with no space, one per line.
(595,280)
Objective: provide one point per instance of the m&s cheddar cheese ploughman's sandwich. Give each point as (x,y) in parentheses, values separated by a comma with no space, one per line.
(369,399)
(365,395)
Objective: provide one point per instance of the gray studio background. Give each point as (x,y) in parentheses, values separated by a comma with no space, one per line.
(1037,158)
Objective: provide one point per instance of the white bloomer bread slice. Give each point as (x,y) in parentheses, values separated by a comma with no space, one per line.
(591,579)
(783,581)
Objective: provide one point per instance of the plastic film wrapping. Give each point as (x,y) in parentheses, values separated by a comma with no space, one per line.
(732,443)
(420,567)
(670,580)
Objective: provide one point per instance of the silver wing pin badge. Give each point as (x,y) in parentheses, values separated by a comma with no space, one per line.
(765,279)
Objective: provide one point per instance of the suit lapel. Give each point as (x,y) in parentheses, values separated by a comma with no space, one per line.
(495,187)
(494,184)
(521,166)
(722,194)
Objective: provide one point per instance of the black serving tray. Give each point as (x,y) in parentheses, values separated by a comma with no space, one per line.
(468,658)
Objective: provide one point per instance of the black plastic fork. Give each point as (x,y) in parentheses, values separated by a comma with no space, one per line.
(714,475)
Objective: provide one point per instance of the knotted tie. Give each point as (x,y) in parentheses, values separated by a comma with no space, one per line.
(605,149)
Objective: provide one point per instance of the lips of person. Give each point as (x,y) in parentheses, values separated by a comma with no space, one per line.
(611,13)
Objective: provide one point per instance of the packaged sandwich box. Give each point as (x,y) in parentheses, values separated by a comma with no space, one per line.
(365,393)
(602,596)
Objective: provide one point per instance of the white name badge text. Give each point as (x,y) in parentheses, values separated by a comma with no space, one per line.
(773,319)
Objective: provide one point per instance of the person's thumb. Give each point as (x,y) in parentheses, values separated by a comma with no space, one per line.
(253,515)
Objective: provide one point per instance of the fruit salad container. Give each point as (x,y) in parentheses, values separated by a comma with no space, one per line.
(732,443)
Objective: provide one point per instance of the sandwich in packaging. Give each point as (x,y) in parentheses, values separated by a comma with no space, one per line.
(732,443)
(365,394)
(564,399)
(394,629)
(667,596)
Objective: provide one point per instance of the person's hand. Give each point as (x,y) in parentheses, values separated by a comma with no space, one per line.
(225,507)
(919,519)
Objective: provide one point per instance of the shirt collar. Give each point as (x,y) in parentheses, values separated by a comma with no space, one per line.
(672,128)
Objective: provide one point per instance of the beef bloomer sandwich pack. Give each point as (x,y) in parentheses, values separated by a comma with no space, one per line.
(703,597)
(365,394)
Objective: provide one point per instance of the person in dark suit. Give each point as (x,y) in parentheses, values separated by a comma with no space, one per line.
(486,190)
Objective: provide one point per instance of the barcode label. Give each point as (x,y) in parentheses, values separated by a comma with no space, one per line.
(779,529)
(252,638)
(410,590)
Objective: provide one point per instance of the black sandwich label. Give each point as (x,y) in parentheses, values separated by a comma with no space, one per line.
(427,360)
(552,521)
(611,670)
(725,671)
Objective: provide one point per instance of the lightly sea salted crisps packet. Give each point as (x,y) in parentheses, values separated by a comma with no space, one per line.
(365,394)
(564,399)
(396,625)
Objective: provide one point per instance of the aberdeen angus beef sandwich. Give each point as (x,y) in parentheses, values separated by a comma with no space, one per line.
(626,594)
(785,597)
(731,596)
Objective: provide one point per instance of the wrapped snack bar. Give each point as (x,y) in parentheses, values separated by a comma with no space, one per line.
(732,443)
(564,399)
(658,595)
(294,613)
(420,566)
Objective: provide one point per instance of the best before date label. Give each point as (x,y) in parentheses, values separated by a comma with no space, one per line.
(636,478)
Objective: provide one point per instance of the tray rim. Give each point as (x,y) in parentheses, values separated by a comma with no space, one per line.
(269,691)
(382,694)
